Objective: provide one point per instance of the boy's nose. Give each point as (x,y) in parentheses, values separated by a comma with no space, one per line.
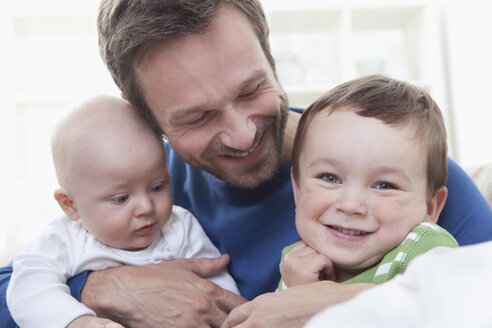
(351,202)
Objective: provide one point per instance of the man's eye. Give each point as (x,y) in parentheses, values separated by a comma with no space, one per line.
(331,178)
(385,186)
(197,118)
(250,93)
(120,199)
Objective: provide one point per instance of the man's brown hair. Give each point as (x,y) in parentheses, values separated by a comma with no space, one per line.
(393,102)
(128,28)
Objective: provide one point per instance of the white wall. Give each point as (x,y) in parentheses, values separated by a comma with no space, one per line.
(49,59)
(469,29)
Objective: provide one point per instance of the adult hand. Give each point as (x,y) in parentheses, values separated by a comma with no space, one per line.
(293,307)
(169,294)
(303,265)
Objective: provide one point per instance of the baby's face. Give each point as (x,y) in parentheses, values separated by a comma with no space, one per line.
(362,187)
(124,195)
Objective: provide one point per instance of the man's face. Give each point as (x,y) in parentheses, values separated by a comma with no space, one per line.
(216,98)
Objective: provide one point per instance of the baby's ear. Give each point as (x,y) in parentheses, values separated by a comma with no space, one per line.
(66,204)
(436,204)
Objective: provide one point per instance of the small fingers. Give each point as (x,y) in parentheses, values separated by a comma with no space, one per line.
(301,246)
(302,250)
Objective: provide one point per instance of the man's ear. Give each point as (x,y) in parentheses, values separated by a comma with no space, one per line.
(294,186)
(436,204)
(66,204)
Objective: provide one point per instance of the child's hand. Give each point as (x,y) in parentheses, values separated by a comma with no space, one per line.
(303,265)
(91,321)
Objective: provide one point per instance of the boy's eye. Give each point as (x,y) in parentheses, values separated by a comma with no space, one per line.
(120,199)
(385,186)
(331,178)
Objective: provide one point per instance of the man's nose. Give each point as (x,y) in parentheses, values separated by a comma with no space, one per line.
(238,129)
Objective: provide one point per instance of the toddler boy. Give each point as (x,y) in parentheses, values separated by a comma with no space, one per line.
(369,168)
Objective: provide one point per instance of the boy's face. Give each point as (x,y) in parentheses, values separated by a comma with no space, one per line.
(361,188)
(124,195)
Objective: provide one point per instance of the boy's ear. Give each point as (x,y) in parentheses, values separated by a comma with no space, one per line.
(66,204)
(436,204)
(294,186)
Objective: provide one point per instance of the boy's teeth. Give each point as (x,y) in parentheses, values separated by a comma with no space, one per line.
(348,232)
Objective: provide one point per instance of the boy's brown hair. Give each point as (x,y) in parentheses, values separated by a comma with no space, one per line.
(128,28)
(393,102)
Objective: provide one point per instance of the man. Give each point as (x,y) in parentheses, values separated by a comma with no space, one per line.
(202,73)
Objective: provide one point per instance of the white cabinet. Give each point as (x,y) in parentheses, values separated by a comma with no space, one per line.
(319,44)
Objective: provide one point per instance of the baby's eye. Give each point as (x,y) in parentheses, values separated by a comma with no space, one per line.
(385,186)
(157,188)
(120,199)
(331,178)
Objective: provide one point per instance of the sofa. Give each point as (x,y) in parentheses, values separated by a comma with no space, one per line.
(482,175)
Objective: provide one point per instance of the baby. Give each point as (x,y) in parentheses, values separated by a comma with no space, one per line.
(115,193)
(369,169)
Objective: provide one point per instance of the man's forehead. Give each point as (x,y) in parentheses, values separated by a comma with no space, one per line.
(201,68)
(229,29)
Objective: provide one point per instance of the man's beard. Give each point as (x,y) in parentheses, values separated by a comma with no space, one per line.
(250,175)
